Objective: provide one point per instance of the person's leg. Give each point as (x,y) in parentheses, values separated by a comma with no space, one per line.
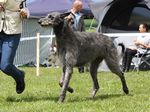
(124,60)
(130,55)
(0,51)
(9,46)
(81,69)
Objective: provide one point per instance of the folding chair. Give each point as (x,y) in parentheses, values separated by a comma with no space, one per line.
(141,59)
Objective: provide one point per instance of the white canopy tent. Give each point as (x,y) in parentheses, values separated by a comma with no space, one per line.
(103,9)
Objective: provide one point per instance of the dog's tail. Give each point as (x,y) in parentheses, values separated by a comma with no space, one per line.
(122,46)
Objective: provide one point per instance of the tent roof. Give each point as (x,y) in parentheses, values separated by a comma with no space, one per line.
(39,8)
(117,7)
(106,11)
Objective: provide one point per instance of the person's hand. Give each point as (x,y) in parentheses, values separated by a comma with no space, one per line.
(1,8)
(23,13)
(136,42)
(69,17)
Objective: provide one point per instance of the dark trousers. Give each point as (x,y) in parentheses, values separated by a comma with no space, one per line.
(8,47)
(81,69)
(127,58)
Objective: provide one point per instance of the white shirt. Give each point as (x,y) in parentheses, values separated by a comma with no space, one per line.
(143,39)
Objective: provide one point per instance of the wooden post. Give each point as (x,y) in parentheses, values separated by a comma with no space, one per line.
(37,54)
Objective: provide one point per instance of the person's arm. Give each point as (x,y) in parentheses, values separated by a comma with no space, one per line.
(1,8)
(142,44)
(148,45)
(136,42)
(71,16)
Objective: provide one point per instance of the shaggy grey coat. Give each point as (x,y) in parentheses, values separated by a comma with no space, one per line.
(78,48)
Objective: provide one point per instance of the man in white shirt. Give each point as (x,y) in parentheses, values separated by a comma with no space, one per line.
(140,43)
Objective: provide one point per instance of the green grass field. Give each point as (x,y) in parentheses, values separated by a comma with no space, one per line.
(88,26)
(41,93)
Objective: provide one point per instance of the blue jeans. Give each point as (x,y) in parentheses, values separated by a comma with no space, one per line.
(8,47)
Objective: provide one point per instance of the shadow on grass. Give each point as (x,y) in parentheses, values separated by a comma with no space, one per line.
(32,99)
(55,98)
(107,96)
(100,97)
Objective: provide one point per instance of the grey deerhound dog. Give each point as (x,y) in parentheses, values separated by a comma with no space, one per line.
(78,48)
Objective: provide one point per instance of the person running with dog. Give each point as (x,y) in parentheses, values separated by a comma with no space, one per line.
(11,15)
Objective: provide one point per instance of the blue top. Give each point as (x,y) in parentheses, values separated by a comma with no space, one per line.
(76,19)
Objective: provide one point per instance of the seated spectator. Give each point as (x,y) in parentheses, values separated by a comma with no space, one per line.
(140,43)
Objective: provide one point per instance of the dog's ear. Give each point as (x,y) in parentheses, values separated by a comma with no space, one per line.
(63,15)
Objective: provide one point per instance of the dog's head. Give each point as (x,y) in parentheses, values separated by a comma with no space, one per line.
(53,19)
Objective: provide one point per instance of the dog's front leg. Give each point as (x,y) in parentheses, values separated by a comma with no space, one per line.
(68,74)
(62,76)
(62,80)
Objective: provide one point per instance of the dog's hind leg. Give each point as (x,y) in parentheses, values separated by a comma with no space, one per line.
(68,74)
(93,72)
(113,64)
(62,80)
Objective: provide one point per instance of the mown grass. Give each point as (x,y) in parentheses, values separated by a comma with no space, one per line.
(41,94)
(89,27)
